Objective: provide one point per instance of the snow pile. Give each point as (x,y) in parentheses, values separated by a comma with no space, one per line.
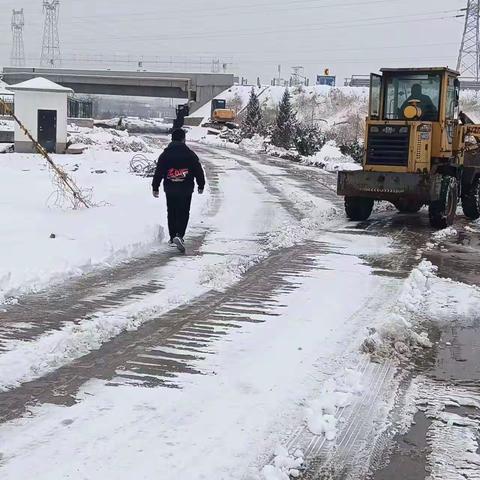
(424,296)
(59,348)
(284,465)
(137,125)
(329,157)
(7,147)
(7,126)
(223,274)
(338,393)
(332,159)
(104,139)
(444,234)
(398,336)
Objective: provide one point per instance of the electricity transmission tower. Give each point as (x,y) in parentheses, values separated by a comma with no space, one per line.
(17,57)
(469,57)
(51,42)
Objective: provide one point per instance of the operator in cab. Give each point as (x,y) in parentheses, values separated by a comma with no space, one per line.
(429,111)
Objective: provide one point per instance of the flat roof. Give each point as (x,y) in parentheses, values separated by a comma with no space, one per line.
(425,69)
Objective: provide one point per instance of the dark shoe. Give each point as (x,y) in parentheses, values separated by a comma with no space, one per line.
(179,244)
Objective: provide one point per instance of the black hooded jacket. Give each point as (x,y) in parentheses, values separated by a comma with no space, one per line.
(178,166)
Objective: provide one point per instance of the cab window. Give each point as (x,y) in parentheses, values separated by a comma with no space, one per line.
(452,100)
(406,89)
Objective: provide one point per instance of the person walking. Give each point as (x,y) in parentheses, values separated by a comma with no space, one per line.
(178,167)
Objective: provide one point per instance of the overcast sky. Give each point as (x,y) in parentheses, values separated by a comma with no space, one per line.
(348,36)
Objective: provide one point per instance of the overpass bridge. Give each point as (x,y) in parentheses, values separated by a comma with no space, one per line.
(196,88)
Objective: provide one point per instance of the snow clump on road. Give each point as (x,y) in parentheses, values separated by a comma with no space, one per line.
(445,233)
(337,393)
(284,466)
(398,335)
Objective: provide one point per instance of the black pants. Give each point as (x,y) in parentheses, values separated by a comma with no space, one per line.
(178,205)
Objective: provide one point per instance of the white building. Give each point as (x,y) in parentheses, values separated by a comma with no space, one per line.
(41,106)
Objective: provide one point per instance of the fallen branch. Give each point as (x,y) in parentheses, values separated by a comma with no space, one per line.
(65,183)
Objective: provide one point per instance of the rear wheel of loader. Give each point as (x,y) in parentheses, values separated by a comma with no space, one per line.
(358,208)
(442,212)
(408,206)
(471,201)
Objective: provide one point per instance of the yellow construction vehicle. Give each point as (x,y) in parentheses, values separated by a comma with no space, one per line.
(420,149)
(220,112)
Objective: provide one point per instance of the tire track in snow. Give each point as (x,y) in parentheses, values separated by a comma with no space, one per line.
(72,301)
(165,341)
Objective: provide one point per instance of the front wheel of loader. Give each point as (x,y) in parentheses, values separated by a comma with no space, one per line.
(358,208)
(408,206)
(442,212)
(471,201)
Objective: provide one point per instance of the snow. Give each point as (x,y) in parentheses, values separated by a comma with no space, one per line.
(452,439)
(215,425)
(331,159)
(329,105)
(139,125)
(4,93)
(39,84)
(337,393)
(6,147)
(285,466)
(397,333)
(30,259)
(183,279)
(102,139)
(7,126)
(444,234)
(292,366)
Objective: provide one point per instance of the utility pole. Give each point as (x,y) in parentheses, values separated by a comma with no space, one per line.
(469,57)
(17,58)
(51,42)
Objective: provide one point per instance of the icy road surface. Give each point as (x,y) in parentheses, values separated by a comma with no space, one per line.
(243,359)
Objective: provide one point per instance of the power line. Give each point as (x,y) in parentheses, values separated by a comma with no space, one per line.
(365,22)
(228,9)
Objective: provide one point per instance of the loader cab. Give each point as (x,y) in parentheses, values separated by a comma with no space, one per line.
(412,118)
(218,104)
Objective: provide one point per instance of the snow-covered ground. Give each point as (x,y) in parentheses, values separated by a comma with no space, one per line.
(216,426)
(296,305)
(30,259)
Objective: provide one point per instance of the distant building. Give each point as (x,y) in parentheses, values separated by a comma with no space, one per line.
(41,106)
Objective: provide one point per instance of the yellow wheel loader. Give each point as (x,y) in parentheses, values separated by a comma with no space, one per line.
(420,149)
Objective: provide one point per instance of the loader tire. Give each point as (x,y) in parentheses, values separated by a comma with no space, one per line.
(471,201)
(408,206)
(442,212)
(358,208)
